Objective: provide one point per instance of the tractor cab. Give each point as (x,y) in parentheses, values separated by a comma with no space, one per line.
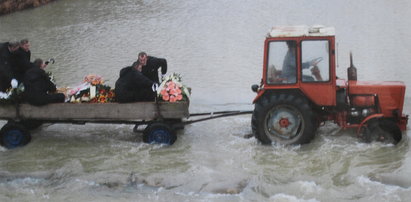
(301,57)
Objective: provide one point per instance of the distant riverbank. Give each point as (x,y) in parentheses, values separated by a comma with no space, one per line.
(10,6)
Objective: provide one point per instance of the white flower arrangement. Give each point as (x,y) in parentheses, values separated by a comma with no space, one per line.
(13,94)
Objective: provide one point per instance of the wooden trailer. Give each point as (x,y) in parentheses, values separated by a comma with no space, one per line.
(161,118)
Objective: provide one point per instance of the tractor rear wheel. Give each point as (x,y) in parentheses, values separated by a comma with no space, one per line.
(383,130)
(284,119)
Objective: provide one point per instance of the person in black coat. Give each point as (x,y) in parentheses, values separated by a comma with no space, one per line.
(38,88)
(6,51)
(151,65)
(21,60)
(133,86)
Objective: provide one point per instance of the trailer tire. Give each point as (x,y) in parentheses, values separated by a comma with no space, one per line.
(14,135)
(285,119)
(159,133)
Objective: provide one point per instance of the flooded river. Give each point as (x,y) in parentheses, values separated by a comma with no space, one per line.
(217,47)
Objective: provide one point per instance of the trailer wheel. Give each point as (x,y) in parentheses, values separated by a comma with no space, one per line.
(159,133)
(383,130)
(285,119)
(14,135)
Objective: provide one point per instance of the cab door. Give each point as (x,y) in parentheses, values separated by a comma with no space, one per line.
(316,75)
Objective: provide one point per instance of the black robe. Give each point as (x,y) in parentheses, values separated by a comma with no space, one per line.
(20,63)
(38,89)
(150,70)
(133,86)
(5,66)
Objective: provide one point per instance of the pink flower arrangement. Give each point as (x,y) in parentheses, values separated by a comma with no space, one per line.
(171,92)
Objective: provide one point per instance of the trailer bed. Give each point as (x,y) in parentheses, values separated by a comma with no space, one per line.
(96,112)
(161,119)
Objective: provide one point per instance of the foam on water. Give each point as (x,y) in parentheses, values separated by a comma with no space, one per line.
(289,198)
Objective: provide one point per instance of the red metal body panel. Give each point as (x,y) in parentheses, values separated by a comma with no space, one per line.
(390,94)
(363,101)
(322,94)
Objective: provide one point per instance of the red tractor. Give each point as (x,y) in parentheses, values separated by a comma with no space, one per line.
(299,91)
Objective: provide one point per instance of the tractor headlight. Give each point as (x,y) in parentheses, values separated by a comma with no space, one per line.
(365,112)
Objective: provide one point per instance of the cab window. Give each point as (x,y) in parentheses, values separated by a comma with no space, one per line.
(315,61)
(281,64)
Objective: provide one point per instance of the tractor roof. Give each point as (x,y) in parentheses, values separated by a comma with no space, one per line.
(302,30)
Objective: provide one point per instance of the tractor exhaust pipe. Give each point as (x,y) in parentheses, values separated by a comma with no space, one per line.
(352,71)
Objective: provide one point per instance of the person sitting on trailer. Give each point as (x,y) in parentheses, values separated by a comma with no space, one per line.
(39,89)
(133,86)
(151,65)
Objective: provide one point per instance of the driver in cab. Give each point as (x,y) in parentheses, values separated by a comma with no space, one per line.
(289,69)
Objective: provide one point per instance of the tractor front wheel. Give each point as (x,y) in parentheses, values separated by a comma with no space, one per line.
(284,119)
(382,130)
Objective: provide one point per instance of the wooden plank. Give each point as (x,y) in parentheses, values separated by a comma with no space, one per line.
(7,112)
(97,111)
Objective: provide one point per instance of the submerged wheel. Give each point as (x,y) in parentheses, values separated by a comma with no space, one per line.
(284,119)
(382,130)
(14,135)
(159,133)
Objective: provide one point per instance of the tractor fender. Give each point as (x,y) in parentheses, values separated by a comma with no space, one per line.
(373,116)
(259,94)
(262,91)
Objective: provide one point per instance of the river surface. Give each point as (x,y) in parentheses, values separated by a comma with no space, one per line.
(217,47)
